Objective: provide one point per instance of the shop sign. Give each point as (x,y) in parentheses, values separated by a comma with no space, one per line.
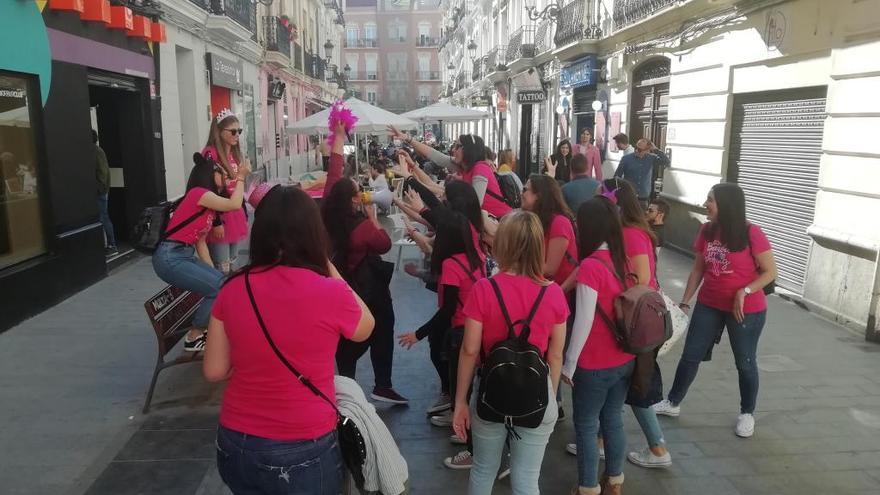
(528,97)
(481,101)
(580,73)
(225,72)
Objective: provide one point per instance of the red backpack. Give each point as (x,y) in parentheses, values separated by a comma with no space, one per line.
(643,322)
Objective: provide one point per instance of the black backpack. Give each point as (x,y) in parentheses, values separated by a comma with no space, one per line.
(510,191)
(149,230)
(513,386)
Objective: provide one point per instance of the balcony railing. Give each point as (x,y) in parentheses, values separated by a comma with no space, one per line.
(369,75)
(361,43)
(463,80)
(243,12)
(204,4)
(522,44)
(277,37)
(427,42)
(495,59)
(314,66)
(297,56)
(424,101)
(479,68)
(628,12)
(398,39)
(428,75)
(544,37)
(576,23)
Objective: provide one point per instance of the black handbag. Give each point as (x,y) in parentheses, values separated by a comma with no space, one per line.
(770,288)
(351,442)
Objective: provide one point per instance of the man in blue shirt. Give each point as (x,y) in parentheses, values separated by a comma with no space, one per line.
(641,167)
(582,186)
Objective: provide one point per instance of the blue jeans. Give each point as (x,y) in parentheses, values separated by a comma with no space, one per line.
(223,255)
(177,264)
(705,328)
(647,419)
(252,465)
(526,452)
(597,399)
(104,217)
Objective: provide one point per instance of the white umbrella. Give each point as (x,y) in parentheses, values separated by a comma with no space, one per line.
(444,112)
(370,119)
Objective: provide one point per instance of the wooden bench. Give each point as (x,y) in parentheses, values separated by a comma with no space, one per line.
(170,312)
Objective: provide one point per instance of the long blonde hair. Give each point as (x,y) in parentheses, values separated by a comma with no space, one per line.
(519,245)
(506,157)
(216,140)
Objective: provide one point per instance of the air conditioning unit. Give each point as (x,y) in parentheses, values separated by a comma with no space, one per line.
(614,67)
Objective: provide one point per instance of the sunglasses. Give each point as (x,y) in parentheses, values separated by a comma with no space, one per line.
(235,131)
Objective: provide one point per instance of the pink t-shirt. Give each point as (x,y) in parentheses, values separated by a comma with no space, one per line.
(637,242)
(493,205)
(727,272)
(196,229)
(519,295)
(601,350)
(306,314)
(451,273)
(560,227)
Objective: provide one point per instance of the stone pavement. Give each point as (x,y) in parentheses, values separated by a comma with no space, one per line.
(72,382)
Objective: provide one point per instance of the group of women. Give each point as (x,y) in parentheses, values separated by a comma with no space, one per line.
(302,296)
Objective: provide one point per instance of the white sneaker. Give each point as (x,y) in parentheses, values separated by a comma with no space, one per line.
(461,460)
(572,449)
(665,408)
(457,440)
(504,474)
(745,425)
(647,459)
(442,420)
(443,403)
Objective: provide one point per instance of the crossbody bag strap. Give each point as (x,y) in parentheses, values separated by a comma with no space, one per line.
(184,223)
(507,320)
(299,376)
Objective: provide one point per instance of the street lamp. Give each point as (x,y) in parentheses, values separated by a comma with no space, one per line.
(328,51)
(551,11)
(472,49)
(347,70)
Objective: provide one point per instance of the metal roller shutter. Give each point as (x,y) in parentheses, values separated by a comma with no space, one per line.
(775,149)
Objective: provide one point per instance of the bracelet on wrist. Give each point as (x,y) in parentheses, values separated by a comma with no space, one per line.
(686,305)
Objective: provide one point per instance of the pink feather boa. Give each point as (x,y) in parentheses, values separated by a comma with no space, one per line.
(339,113)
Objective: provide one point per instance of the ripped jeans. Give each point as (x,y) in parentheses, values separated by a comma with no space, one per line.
(704,331)
(251,465)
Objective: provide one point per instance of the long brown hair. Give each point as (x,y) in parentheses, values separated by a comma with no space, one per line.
(519,245)
(550,202)
(598,223)
(216,140)
(631,212)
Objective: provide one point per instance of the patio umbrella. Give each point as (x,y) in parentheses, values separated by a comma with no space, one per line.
(444,112)
(371,119)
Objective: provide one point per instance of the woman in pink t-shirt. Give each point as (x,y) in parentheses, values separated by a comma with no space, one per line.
(595,363)
(477,172)
(734,263)
(182,258)
(543,197)
(223,147)
(519,250)
(292,297)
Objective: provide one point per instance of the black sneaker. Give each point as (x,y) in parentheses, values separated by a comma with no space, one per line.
(384,394)
(561,415)
(195,345)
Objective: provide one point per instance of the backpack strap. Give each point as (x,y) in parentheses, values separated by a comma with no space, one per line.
(527,323)
(496,195)
(510,333)
(526,331)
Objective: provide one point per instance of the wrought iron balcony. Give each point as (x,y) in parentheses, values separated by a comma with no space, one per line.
(522,44)
(243,12)
(544,37)
(628,12)
(427,41)
(297,56)
(369,75)
(314,66)
(277,37)
(496,59)
(576,23)
(361,43)
(479,68)
(428,75)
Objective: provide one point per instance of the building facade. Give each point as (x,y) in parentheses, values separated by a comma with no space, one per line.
(773,95)
(67,68)
(391,49)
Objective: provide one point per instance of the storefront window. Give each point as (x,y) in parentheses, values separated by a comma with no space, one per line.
(21,224)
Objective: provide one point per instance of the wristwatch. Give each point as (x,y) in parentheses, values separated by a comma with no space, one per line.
(747,290)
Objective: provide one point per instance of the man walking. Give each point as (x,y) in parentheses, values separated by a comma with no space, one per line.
(641,167)
(102,174)
(582,186)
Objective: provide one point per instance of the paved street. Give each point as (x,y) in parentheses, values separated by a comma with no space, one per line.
(72,382)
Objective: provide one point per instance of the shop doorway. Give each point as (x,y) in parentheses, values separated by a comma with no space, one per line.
(525,142)
(649,114)
(118,114)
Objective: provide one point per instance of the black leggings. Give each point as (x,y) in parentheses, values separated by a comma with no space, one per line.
(437,340)
(381,345)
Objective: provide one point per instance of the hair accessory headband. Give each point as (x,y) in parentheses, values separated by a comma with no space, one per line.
(224,114)
(612,194)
